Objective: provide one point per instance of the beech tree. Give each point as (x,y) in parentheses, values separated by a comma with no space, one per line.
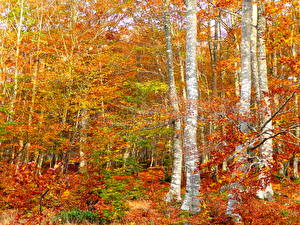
(266,191)
(244,108)
(175,188)
(191,200)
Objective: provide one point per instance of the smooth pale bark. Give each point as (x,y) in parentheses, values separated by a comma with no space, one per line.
(254,63)
(215,58)
(82,141)
(237,72)
(182,74)
(205,155)
(296,168)
(175,187)
(295,49)
(40,163)
(64,156)
(214,168)
(191,200)
(235,188)
(266,191)
(296,158)
(244,109)
(245,95)
(214,52)
(19,154)
(17,54)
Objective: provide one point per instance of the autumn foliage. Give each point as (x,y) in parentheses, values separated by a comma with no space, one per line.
(86,124)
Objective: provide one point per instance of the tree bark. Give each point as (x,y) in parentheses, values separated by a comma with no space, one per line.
(266,191)
(296,158)
(82,141)
(17,54)
(254,63)
(245,94)
(244,110)
(175,188)
(191,199)
(237,72)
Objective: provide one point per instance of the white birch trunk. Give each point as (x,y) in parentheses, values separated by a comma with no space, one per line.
(175,188)
(191,199)
(266,191)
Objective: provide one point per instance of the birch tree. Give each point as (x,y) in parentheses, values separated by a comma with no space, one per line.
(174,192)
(191,199)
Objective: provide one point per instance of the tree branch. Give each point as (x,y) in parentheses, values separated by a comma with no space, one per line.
(265,139)
(276,113)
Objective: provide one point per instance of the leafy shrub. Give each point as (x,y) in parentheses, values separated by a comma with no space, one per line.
(77,216)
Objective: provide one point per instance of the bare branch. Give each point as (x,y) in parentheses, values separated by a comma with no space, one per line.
(265,139)
(278,110)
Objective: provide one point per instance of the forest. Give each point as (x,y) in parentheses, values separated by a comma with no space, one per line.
(149,112)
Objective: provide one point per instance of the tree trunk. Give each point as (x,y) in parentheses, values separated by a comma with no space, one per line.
(296,158)
(244,109)
(266,191)
(245,94)
(215,58)
(254,63)
(17,54)
(296,168)
(182,74)
(82,141)
(191,199)
(175,188)
(237,72)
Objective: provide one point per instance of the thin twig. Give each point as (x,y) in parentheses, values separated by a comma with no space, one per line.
(41,200)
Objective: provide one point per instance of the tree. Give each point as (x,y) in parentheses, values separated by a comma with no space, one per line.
(17,60)
(244,107)
(191,200)
(266,191)
(175,187)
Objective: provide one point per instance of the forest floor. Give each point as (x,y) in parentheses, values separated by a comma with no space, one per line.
(146,205)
